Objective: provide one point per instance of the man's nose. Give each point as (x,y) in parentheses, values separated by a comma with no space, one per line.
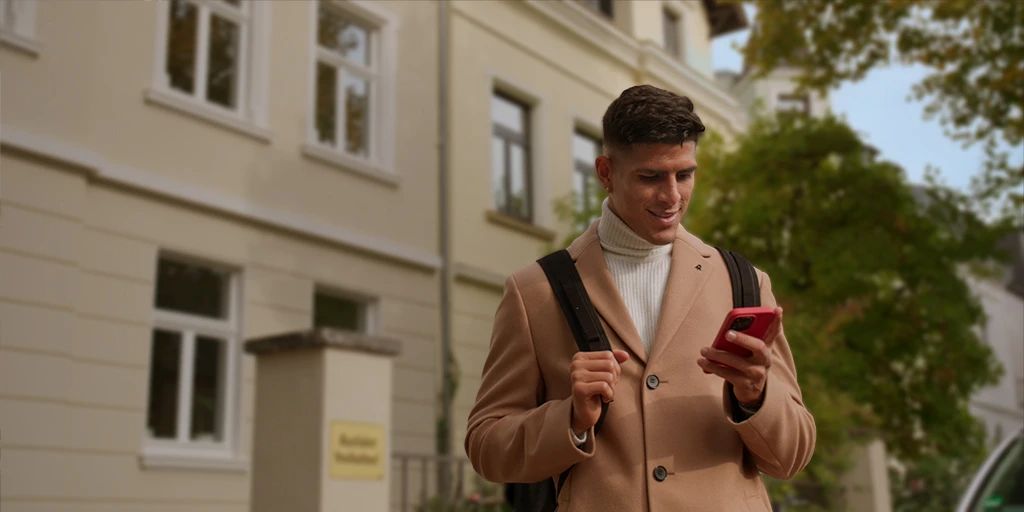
(669,192)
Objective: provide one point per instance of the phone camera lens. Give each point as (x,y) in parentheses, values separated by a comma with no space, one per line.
(742,323)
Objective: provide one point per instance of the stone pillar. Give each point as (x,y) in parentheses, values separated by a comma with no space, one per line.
(321,437)
(866,486)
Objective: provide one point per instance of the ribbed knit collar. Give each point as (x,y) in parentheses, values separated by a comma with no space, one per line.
(618,238)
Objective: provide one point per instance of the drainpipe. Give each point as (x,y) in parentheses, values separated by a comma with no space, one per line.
(446,267)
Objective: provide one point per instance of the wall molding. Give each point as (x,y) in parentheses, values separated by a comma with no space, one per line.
(478,276)
(99,169)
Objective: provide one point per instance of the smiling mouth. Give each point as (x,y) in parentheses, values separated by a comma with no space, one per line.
(668,215)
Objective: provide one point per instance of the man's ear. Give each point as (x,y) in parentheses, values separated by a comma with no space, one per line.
(603,164)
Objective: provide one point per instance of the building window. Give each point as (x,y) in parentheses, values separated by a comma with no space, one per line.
(510,157)
(602,6)
(206,45)
(347,72)
(212,61)
(585,150)
(793,103)
(340,312)
(672,33)
(194,357)
(352,125)
(18,24)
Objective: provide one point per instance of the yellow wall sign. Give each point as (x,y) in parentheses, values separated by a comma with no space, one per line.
(356,451)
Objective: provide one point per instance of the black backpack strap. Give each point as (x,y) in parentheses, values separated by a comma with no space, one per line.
(746,290)
(579,313)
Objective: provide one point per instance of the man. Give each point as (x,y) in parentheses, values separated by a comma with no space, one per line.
(676,438)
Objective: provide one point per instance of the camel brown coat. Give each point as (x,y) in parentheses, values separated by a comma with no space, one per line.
(684,424)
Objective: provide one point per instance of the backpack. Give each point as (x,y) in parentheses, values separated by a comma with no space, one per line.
(582,318)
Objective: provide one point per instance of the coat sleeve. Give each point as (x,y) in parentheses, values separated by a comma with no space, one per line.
(509,437)
(781,435)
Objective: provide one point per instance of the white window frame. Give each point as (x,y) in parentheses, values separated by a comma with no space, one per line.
(18,25)
(182,452)
(382,73)
(249,116)
(525,141)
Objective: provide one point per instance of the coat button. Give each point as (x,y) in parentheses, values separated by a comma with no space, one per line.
(660,473)
(653,382)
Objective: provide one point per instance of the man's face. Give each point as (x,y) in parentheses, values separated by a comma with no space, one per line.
(649,187)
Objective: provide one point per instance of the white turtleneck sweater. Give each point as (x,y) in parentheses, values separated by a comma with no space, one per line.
(640,270)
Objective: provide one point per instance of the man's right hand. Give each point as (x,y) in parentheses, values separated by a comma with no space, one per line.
(593,376)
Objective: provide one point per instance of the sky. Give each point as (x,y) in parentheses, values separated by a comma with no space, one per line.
(879,109)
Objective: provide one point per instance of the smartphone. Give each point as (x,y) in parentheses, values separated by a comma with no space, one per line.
(750,321)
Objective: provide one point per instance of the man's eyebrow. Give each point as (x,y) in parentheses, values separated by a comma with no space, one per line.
(656,171)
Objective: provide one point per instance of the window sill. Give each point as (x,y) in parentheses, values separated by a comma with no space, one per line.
(519,225)
(166,459)
(21,43)
(207,113)
(351,164)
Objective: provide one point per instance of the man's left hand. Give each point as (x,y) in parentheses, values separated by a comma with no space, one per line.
(748,375)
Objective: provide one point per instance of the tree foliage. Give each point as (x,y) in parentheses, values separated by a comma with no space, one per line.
(880,318)
(974,51)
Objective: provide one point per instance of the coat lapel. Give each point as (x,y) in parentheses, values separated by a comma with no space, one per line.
(689,271)
(604,294)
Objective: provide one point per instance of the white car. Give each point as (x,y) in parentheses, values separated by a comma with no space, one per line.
(999,484)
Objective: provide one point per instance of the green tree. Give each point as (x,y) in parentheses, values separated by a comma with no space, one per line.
(880,318)
(973,50)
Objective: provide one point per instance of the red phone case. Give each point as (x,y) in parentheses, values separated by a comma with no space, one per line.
(750,321)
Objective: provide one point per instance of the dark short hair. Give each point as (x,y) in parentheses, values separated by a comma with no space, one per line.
(644,114)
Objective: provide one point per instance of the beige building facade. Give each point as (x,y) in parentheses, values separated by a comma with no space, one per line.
(175,178)
(179,176)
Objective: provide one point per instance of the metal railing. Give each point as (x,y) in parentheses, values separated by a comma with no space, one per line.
(441,483)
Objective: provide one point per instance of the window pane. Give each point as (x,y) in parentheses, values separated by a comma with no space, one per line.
(357,115)
(326,102)
(602,6)
(340,33)
(338,312)
(164,367)
(517,167)
(208,389)
(181,46)
(507,113)
(579,188)
(222,73)
(498,172)
(193,289)
(670,32)
(584,149)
